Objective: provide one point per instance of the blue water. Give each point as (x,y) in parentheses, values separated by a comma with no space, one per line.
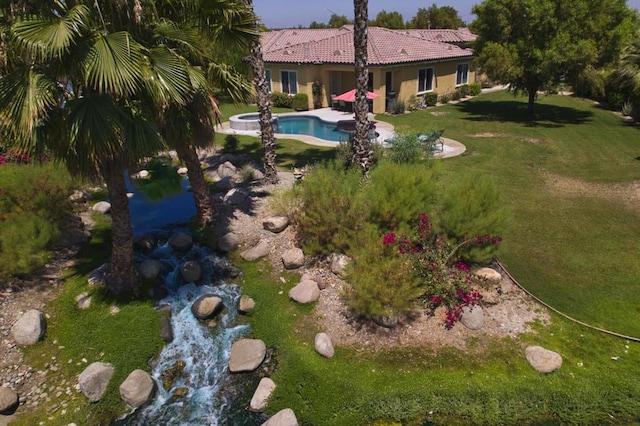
(312,126)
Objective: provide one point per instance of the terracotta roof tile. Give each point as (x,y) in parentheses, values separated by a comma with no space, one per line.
(385,47)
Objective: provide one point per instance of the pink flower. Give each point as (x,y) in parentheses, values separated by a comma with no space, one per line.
(389,238)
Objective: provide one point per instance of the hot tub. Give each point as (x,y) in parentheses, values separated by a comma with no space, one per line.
(249,122)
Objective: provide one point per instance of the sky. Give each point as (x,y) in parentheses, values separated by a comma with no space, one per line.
(292,13)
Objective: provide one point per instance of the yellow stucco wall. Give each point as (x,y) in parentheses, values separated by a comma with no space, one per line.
(337,79)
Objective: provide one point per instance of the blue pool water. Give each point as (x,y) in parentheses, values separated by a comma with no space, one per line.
(312,126)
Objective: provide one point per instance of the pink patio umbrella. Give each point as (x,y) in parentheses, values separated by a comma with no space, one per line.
(350,96)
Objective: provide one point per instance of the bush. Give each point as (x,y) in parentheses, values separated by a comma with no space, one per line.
(464,90)
(456,95)
(446,98)
(472,207)
(475,89)
(231,143)
(24,239)
(281,100)
(405,148)
(413,103)
(398,193)
(398,107)
(332,211)
(431,98)
(380,285)
(590,84)
(300,102)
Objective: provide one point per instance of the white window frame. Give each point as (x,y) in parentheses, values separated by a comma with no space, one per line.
(465,73)
(282,84)
(267,78)
(429,86)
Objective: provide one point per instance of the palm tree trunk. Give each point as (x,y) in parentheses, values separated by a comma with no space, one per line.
(264,108)
(121,277)
(199,188)
(362,154)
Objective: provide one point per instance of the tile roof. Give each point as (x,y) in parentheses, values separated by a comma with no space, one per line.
(460,35)
(335,45)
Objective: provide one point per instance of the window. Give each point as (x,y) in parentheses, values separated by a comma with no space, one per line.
(370,82)
(462,74)
(425,80)
(267,78)
(289,82)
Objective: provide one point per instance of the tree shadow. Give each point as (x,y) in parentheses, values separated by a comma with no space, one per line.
(545,115)
(286,157)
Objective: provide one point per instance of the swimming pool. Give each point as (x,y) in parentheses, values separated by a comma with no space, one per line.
(312,126)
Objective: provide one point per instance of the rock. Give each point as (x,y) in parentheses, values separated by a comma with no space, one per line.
(181,241)
(8,400)
(79,196)
(246,355)
(137,389)
(275,224)
(261,395)
(472,317)
(305,292)
(149,269)
(172,373)
(94,379)
(324,345)
(293,258)
(339,264)
(284,417)
(489,274)
(158,292)
(257,174)
(30,328)
(228,242)
(102,207)
(179,393)
(144,242)
(319,280)
(236,196)
(165,308)
(543,360)
(83,301)
(191,271)
(73,233)
(226,169)
(246,304)
(206,306)
(97,276)
(182,171)
(142,174)
(256,252)
(166,330)
(225,184)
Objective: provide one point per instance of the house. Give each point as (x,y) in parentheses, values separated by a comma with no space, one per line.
(401,63)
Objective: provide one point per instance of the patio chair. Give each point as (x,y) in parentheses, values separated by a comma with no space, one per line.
(433,140)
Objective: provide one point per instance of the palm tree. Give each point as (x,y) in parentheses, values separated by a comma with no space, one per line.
(84,87)
(264,108)
(362,153)
(629,74)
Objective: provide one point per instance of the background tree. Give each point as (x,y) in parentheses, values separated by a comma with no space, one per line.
(392,20)
(317,25)
(437,17)
(533,44)
(627,75)
(337,21)
(362,153)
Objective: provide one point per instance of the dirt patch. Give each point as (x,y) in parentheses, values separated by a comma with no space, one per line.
(534,141)
(487,135)
(438,113)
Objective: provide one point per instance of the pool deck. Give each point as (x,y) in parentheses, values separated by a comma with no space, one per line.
(384,129)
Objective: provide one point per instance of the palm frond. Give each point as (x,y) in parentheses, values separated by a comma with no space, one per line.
(113,64)
(236,85)
(228,22)
(141,135)
(167,76)
(47,38)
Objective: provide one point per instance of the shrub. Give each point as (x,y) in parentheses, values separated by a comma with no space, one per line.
(332,211)
(590,84)
(405,148)
(413,103)
(281,100)
(475,89)
(445,99)
(231,143)
(398,107)
(398,193)
(246,173)
(471,206)
(431,98)
(627,109)
(300,102)
(285,203)
(380,285)
(24,238)
(464,90)
(456,95)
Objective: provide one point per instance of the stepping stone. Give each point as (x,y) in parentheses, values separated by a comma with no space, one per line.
(261,395)
(324,345)
(94,379)
(284,417)
(247,355)
(206,306)
(305,292)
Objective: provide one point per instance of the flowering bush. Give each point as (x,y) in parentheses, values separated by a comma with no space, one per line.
(446,280)
(14,157)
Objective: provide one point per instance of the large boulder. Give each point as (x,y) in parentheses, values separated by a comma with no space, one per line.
(206,306)
(305,292)
(324,345)
(137,389)
(236,196)
(284,417)
(226,169)
(246,355)
(275,224)
(319,280)
(191,271)
(543,360)
(488,274)
(256,252)
(246,304)
(181,241)
(262,394)
(472,317)
(339,264)
(228,242)
(293,258)
(94,379)
(144,242)
(30,328)
(102,207)
(149,269)
(8,400)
